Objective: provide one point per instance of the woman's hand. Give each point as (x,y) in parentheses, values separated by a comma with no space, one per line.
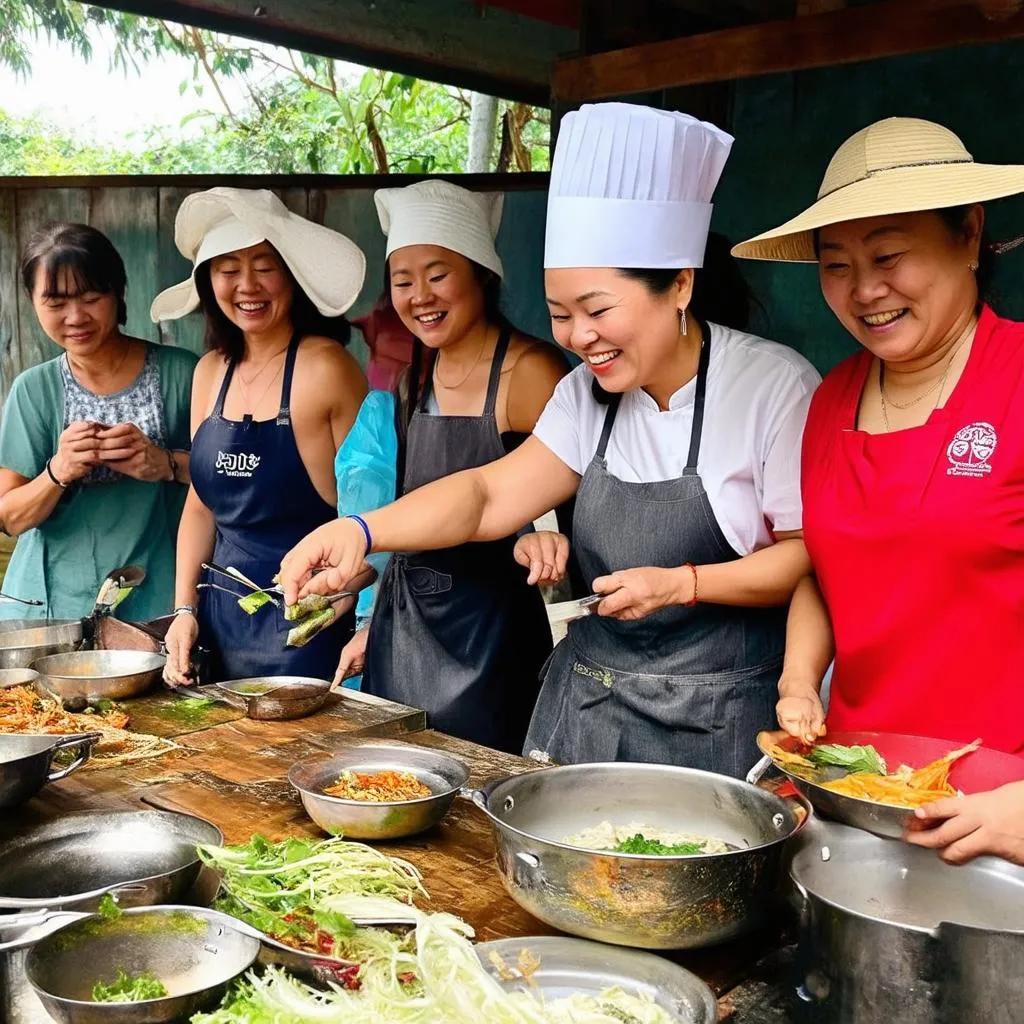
(77,452)
(800,711)
(965,827)
(353,658)
(130,452)
(338,548)
(635,593)
(545,553)
(179,641)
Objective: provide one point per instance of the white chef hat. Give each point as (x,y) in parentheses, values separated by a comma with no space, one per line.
(439,213)
(631,186)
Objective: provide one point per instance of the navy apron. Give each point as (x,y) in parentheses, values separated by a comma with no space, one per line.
(458,632)
(250,475)
(683,686)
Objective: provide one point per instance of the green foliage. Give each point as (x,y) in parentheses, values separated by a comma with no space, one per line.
(301,113)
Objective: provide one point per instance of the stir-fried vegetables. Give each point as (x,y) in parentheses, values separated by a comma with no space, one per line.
(638,844)
(129,988)
(436,978)
(854,758)
(378,787)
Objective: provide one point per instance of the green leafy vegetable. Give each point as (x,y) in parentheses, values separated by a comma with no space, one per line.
(129,988)
(638,844)
(854,758)
(108,908)
(252,603)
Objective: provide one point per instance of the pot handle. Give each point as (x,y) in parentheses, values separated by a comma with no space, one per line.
(756,773)
(39,927)
(84,746)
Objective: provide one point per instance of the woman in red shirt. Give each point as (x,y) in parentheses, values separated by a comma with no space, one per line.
(913,452)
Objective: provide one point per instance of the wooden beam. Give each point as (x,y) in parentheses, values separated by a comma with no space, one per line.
(819,40)
(453,41)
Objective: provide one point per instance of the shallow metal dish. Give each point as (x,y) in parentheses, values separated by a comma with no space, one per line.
(26,761)
(145,857)
(358,819)
(632,899)
(22,641)
(18,677)
(568,966)
(99,675)
(978,772)
(278,698)
(194,957)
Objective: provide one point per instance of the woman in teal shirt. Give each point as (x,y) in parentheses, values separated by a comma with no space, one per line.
(94,443)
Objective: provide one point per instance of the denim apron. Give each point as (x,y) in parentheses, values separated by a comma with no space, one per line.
(250,475)
(683,686)
(458,632)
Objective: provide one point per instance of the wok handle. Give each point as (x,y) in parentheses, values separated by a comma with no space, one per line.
(756,773)
(84,745)
(42,925)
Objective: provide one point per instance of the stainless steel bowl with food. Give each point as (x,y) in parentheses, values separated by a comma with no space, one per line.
(377,790)
(644,855)
(99,675)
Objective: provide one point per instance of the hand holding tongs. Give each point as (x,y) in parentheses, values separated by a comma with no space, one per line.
(276,591)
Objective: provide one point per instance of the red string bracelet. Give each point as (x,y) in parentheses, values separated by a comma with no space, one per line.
(693,600)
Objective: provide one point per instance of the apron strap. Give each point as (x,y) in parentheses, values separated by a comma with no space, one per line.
(284,416)
(218,408)
(697,429)
(609,422)
(495,379)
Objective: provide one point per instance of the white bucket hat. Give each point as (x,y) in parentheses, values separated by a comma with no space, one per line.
(328,267)
(631,186)
(439,213)
(899,165)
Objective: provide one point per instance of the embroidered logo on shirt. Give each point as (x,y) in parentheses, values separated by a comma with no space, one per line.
(236,463)
(971,449)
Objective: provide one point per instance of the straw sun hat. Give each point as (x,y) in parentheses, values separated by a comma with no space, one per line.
(328,267)
(899,165)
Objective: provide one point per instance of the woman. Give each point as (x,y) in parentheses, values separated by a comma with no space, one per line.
(913,461)
(271,403)
(678,439)
(455,631)
(94,444)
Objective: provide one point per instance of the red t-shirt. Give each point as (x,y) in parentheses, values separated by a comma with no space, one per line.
(917,539)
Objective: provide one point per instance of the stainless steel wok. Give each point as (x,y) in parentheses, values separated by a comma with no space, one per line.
(22,641)
(652,902)
(99,675)
(26,763)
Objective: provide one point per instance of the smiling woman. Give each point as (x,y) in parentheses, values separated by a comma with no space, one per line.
(94,445)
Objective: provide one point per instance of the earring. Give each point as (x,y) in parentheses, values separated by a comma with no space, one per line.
(972,266)
(682,321)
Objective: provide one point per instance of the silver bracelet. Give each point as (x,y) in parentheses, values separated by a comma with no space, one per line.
(185,609)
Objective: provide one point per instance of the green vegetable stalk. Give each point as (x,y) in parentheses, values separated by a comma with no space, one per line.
(306,606)
(252,603)
(309,627)
(129,988)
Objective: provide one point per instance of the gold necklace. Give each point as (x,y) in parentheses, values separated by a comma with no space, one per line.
(270,383)
(114,372)
(262,369)
(940,384)
(454,387)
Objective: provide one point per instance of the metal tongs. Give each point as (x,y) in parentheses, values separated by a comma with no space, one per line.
(276,591)
(20,600)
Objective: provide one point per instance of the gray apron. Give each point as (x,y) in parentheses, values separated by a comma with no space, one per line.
(458,632)
(683,686)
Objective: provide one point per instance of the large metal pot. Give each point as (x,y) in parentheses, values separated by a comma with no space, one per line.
(631,899)
(22,641)
(26,761)
(888,932)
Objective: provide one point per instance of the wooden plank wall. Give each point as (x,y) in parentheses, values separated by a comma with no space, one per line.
(139,219)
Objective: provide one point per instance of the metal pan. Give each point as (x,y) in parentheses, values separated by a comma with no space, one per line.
(266,698)
(22,641)
(978,772)
(26,763)
(143,857)
(100,675)
(568,966)
(193,956)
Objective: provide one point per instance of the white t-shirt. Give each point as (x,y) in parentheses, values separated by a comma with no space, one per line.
(754,411)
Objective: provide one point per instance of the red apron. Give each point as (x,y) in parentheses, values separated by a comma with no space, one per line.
(917,539)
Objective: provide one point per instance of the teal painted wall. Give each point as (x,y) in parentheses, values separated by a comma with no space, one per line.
(788,126)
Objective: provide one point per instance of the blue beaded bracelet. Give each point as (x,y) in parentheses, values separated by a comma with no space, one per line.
(366,531)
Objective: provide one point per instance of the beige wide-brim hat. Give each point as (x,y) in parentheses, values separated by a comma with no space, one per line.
(899,165)
(327,266)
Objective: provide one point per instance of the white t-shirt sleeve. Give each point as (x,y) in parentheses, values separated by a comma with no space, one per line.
(560,426)
(782,505)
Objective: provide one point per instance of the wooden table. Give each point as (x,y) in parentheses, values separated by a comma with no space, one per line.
(233,772)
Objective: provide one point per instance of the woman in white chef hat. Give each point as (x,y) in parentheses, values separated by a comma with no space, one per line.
(457,631)
(681,441)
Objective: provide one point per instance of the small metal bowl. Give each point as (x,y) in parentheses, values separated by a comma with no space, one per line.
(359,819)
(99,675)
(17,677)
(277,698)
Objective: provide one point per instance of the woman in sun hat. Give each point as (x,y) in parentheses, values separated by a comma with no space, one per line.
(679,438)
(271,402)
(913,459)
(457,632)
